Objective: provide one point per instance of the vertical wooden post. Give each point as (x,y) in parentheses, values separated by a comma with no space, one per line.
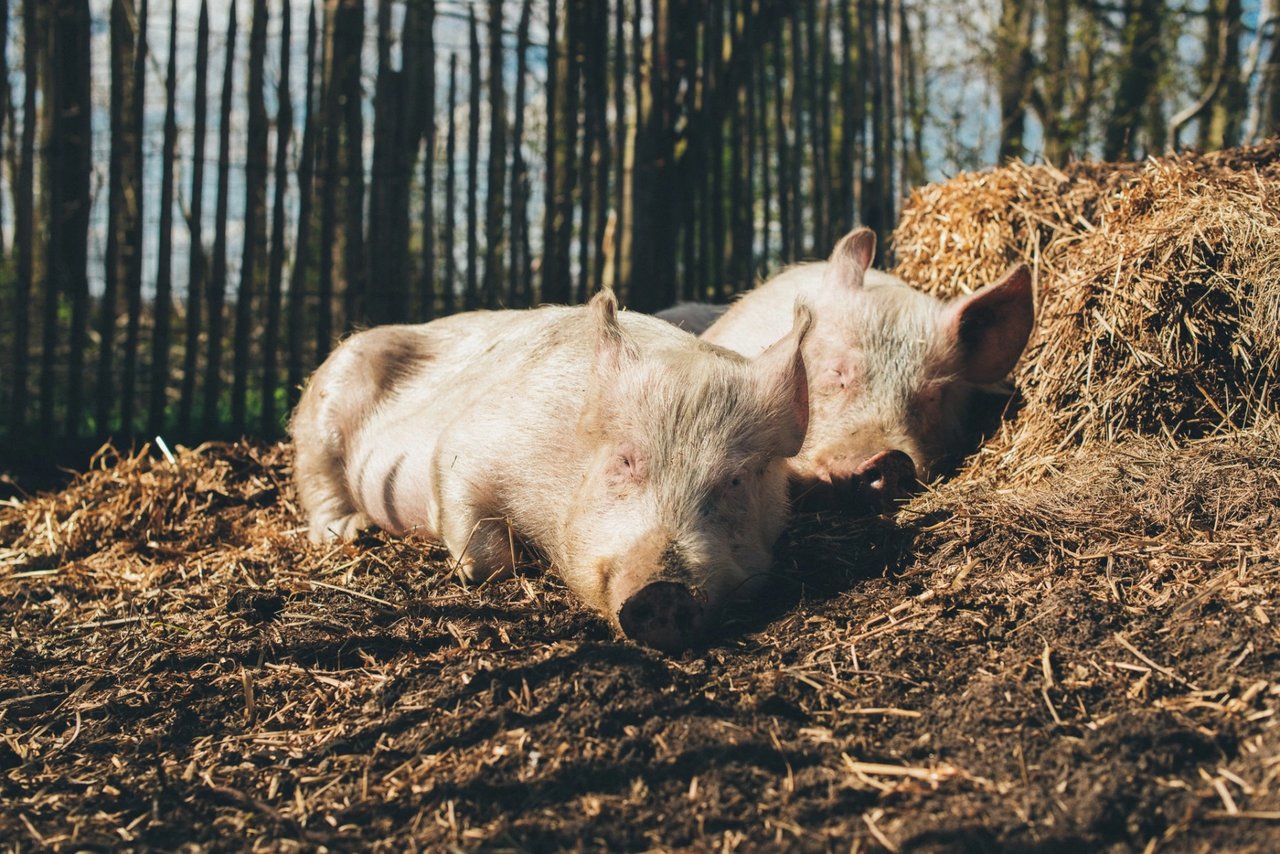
(275,264)
(472,297)
(785,199)
(255,215)
(218,281)
(24,235)
(495,186)
(121,64)
(450,286)
(521,269)
(428,70)
(163,305)
(306,193)
(196,257)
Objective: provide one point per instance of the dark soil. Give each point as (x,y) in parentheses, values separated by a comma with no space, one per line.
(1089,662)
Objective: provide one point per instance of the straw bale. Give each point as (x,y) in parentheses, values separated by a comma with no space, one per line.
(1158,292)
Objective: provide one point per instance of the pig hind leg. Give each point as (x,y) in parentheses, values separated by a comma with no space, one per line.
(483,544)
(337,400)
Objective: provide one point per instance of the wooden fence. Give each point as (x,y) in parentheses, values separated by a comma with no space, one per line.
(674,149)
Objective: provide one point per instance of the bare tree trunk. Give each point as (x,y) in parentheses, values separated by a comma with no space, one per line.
(196,256)
(275,265)
(348,38)
(1269,120)
(1050,100)
(255,215)
(715,164)
(24,235)
(306,193)
(163,305)
(450,192)
(121,123)
(1141,60)
(495,207)
(472,297)
(521,274)
(218,279)
(1227,105)
(1013,66)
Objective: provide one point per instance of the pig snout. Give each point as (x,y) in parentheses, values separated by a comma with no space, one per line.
(876,483)
(888,477)
(665,615)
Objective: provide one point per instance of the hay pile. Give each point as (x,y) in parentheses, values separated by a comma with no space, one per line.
(1158,285)
(1072,644)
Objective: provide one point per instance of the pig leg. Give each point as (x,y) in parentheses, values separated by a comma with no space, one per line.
(483,546)
(320,475)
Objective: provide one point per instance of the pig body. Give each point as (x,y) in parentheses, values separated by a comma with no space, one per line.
(893,373)
(647,467)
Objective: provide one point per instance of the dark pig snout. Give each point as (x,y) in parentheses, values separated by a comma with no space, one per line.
(875,484)
(885,478)
(665,615)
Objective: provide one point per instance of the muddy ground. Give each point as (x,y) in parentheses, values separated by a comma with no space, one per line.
(1090,662)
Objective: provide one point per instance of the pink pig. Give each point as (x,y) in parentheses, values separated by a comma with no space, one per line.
(647,466)
(893,372)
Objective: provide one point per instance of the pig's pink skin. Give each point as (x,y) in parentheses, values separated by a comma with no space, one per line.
(890,368)
(622,449)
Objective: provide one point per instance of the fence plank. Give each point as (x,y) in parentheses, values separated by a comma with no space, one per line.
(196,263)
(496,185)
(254,223)
(521,273)
(25,220)
(120,34)
(427,62)
(472,297)
(218,280)
(163,305)
(302,251)
(270,425)
(134,242)
(549,250)
(450,284)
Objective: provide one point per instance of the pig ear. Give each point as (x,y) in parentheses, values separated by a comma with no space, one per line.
(851,258)
(784,383)
(612,346)
(990,327)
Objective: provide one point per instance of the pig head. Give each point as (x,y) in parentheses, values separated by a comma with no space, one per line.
(893,372)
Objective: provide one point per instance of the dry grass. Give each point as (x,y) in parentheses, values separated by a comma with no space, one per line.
(1073,643)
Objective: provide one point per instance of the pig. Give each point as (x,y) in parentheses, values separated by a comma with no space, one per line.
(648,467)
(895,375)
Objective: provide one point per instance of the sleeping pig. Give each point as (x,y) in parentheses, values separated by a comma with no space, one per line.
(894,374)
(647,466)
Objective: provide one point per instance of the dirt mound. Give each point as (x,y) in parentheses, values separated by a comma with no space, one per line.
(1158,285)
(1071,645)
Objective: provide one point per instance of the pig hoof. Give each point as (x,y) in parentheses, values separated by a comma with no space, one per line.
(342,528)
(663,615)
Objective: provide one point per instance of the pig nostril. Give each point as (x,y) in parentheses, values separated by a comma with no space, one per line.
(664,615)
